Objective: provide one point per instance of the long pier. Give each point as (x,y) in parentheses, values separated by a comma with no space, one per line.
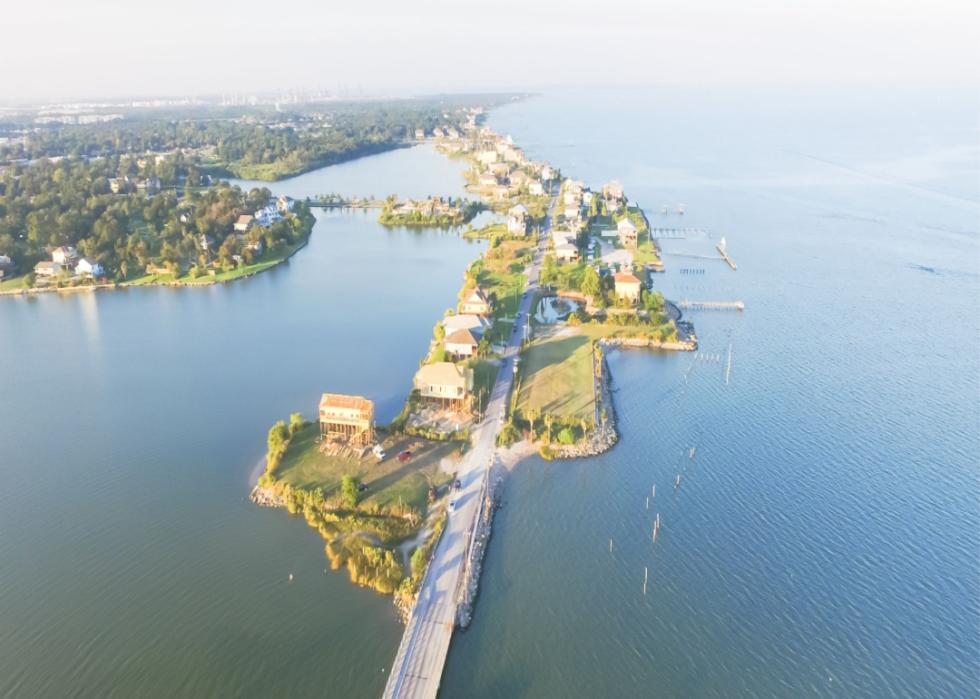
(712,305)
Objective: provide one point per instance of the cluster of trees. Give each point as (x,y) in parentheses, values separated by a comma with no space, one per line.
(257,144)
(71,202)
(448,213)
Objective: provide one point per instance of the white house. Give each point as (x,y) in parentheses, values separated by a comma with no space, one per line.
(243,222)
(462,343)
(64,255)
(534,187)
(487,156)
(517,220)
(566,252)
(87,267)
(466,321)
(628,234)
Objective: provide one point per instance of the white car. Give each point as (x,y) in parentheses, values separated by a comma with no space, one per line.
(452,505)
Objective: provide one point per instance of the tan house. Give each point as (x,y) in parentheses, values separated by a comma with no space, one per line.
(348,418)
(628,234)
(627,286)
(47,269)
(476,302)
(461,343)
(444,382)
(243,222)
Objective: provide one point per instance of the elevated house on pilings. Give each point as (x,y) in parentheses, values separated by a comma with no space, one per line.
(445,384)
(347,418)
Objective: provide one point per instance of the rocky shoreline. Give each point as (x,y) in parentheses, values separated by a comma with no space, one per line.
(265,497)
(604,436)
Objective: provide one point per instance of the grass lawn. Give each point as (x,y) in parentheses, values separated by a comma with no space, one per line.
(556,370)
(646,251)
(557,374)
(236,273)
(390,481)
(13,283)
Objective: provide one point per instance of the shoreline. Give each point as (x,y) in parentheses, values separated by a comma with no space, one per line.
(117,286)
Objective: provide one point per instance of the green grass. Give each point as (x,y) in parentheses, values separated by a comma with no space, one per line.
(389,482)
(645,252)
(484,375)
(12,283)
(557,375)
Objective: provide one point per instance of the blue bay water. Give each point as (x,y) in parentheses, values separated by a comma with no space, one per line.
(823,541)
(824,537)
(131,560)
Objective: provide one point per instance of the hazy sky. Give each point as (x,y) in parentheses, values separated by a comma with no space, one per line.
(55,49)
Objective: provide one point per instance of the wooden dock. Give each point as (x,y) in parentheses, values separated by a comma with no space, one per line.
(712,305)
(720,247)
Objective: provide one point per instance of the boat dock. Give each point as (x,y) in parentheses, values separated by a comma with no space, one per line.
(722,249)
(712,305)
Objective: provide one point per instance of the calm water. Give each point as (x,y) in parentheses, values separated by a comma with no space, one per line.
(824,540)
(131,561)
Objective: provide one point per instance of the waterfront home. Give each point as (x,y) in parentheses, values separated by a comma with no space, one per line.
(444,382)
(535,187)
(500,169)
(6,265)
(150,186)
(547,173)
(519,178)
(612,205)
(566,252)
(628,234)
(64,255)
(487,179)
(571,198)
(88,267)
(243,222)
(476,302)
(285,204)
(268,215)
(627,286)
(477,325)
(614,191)
(347,418)
(500,192)
(571,212)
(419,134)
(462,343)
(452,133)
(45,269)
(438,133)
(487,157)
(517,220)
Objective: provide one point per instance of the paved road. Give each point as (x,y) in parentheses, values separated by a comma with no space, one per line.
(421,656)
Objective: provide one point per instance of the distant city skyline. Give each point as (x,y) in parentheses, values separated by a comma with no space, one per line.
(56,50)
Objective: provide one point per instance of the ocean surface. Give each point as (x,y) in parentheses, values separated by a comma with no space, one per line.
(823,541)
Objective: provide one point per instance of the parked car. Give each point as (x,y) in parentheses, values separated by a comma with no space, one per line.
(452,505)
(457,484)
(404,456)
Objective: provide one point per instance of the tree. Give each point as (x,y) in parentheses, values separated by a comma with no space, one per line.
(531,414)
(277,441)
(348,491)
(566,436)
(549,420)
(592,283)
(295,423)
